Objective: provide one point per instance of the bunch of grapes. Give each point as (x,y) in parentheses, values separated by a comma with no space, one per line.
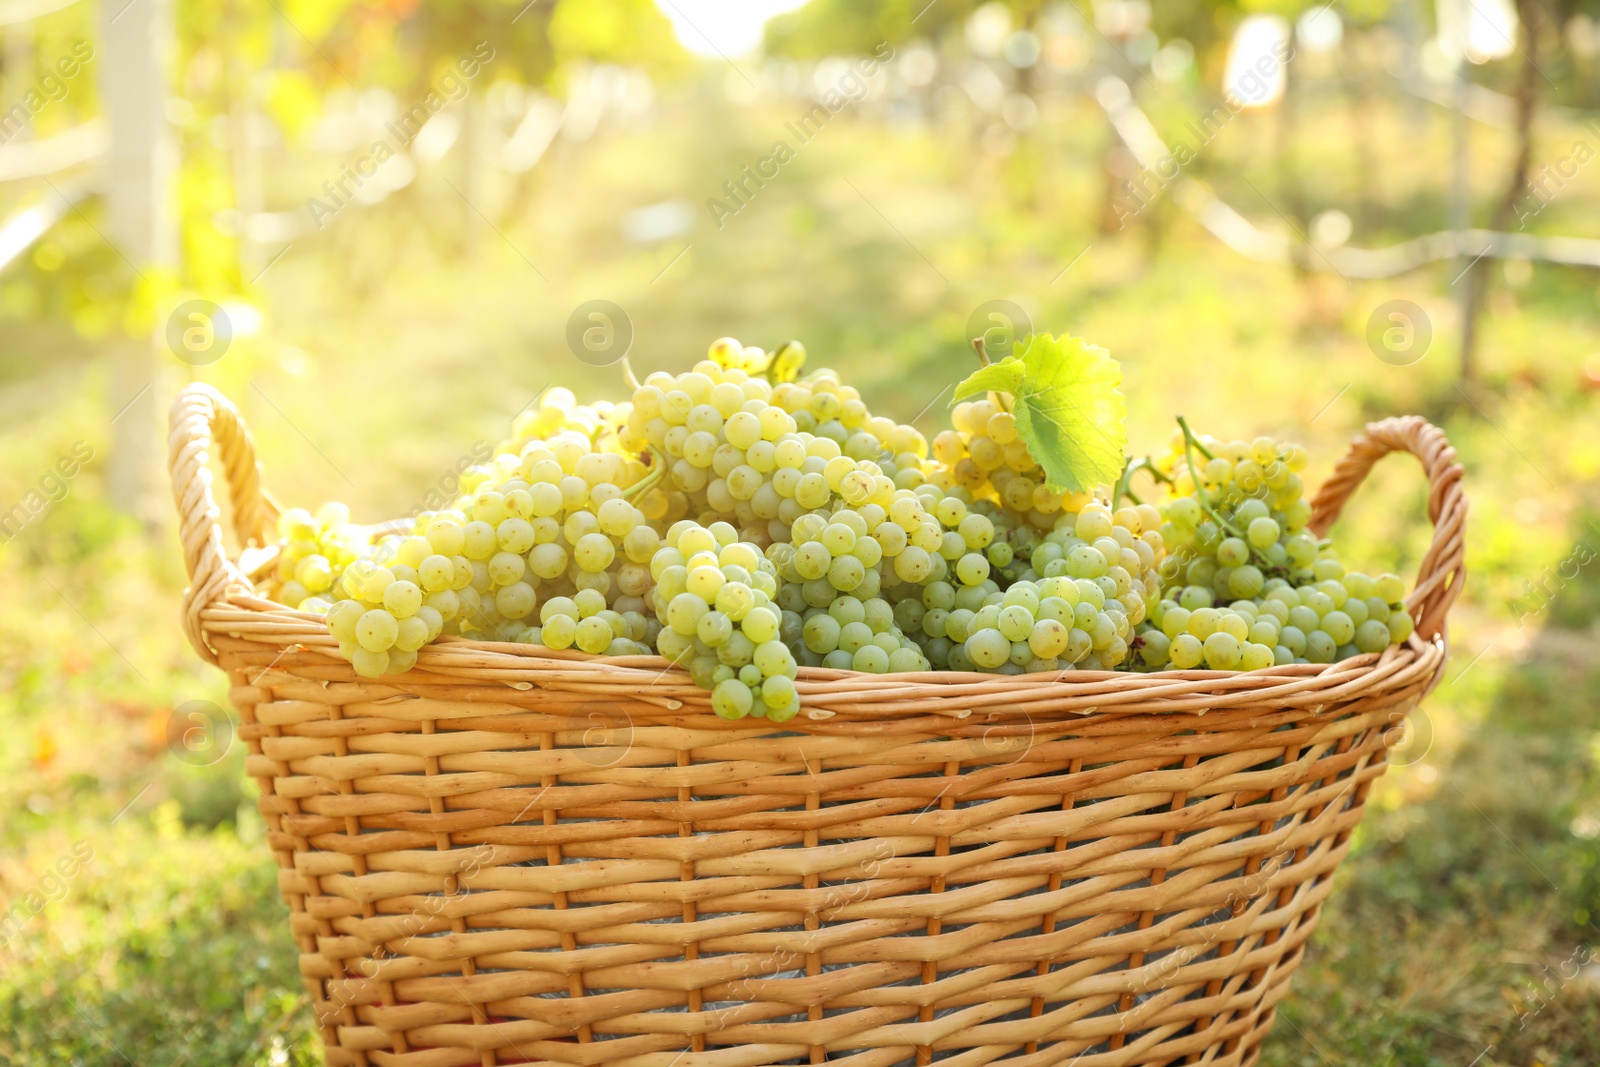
(1084,588)
(385,613)
(313,553)
(761,453)
(982,454)
(1332,619)
(545,520)
(714,595)
(1248,585)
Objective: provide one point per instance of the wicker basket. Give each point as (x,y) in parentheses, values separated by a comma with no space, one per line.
(516,855)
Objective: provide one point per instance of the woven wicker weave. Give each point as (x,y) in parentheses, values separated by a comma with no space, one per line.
(516,855)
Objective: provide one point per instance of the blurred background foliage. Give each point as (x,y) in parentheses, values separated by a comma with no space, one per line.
(376,339)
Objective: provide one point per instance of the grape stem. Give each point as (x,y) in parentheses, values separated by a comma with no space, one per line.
(1200,495)
(1123,487)
(1190,439)
(1205,501)
(770,371)
(983,358)
(627,374)
(657,469)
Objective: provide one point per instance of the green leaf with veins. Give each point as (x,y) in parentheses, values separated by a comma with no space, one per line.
(1069,410)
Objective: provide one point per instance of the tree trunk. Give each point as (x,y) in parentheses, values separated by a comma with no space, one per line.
(1531,14)
(1288,171)
(1364,122)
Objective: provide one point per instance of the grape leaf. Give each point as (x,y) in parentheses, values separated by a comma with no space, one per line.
(1069,410)
(1002,377)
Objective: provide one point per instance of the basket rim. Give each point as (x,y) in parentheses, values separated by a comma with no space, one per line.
(283,638)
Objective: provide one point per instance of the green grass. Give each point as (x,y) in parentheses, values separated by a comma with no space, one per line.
(386,356)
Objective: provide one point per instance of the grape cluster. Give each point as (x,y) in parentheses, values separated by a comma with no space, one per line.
(1098,578)
(1332,619)
(313,554)
(1247,584)
(982,454)
(714,595)
(743,522)
(543,546)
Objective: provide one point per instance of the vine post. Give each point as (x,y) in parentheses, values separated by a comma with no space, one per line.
(136,42)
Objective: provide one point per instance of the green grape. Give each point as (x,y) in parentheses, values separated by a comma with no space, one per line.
(713,628)
(846,573)
(1316,600)
(1401,626)
(412,633)
(1015,623)
(791,526)
(1203,622)
(1233,552)
(736,650)
(1262,531)
(1294,639)
(1372,636)
(1264,632)
(1247,580)
(436,573)
(593,636)
(853,636)
(315,573)
(1048,638)
(1389,588)
(377,630)
(1256,657)
(1359,586)
(777,692)
(375,583)
(988,648)
(446,537)
(761,624)
(342,618)
(1304,618)
(370,663)
(871,659)
(446,602)
(773,658)
(732,699)
(1175,621)
(684,612)
(1223,651)
(478,540)
(515,601)
(1339,626)
(1186,651)
(1234,625)
(838,538)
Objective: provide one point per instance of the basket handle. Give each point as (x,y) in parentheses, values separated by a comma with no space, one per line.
(1443,568)
(201,417)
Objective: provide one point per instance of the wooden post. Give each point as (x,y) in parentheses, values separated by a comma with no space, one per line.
(141,221)
(20,66)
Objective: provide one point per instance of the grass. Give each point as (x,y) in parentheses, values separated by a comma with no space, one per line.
(1475,878)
